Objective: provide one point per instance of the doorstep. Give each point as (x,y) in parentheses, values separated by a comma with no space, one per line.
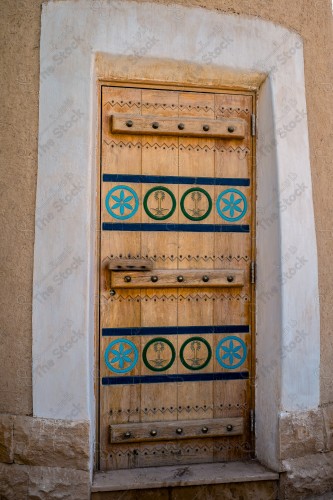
(182,475)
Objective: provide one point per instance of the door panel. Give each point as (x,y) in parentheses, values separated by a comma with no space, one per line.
(176,344)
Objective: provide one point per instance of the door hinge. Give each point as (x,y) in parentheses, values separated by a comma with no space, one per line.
(252,420)
(253,273)
(253,125)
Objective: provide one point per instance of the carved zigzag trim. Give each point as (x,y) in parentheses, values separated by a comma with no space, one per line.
(227,110)
(172,298)
(241,152)
(191,258)
(123,104)
(139,145)
(180,107)
(181,448)
(150,105)
(174,258)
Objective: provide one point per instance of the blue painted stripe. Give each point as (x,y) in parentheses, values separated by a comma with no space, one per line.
(188,228)
(174,330)
(173,179)
(158,379)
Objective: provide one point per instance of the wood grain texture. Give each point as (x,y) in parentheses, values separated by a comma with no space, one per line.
(167,255)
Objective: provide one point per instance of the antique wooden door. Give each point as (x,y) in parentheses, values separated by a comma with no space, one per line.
(177,243)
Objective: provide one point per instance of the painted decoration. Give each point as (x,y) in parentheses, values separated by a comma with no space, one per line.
(231,352)
(122,202)
(196,204)
(159,203)
(158,354)
(231,205)
(121,356)
(195,353)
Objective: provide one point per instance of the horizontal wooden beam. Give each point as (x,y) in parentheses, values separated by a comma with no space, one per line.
(179,429)
(176,278)
(223,128)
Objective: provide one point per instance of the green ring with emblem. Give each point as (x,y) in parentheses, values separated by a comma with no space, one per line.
(182,204)
(209,354)
(166,190)
(153,341)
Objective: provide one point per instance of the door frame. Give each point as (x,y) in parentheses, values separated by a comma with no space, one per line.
(150,84)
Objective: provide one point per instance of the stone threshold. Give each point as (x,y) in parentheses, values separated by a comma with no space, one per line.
(181,475)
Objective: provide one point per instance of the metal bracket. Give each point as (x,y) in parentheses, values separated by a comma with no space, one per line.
(253,125)
(253,273)
(252,420)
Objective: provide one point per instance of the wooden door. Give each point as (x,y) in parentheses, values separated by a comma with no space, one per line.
(177,241)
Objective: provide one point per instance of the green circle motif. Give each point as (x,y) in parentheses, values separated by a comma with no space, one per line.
(202,365)
(155,368)
(182,204)
(173,200)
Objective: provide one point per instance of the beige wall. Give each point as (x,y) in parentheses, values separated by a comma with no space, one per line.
(312,19)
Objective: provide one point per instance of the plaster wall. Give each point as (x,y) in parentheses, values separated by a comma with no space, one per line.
(65,242)
(21,34)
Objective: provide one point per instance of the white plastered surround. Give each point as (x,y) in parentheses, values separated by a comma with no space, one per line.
(83,41)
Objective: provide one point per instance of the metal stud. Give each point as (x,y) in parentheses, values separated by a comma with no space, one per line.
(154,279)
(127,434)
(230,279)
(231,129)
(205,278)
(112,292)
(129,123)
(153,432)
(180,279)
(155,125)
(181,126)
(205,128)
(179,430)
(204,430)
(127,279)
(229,427)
